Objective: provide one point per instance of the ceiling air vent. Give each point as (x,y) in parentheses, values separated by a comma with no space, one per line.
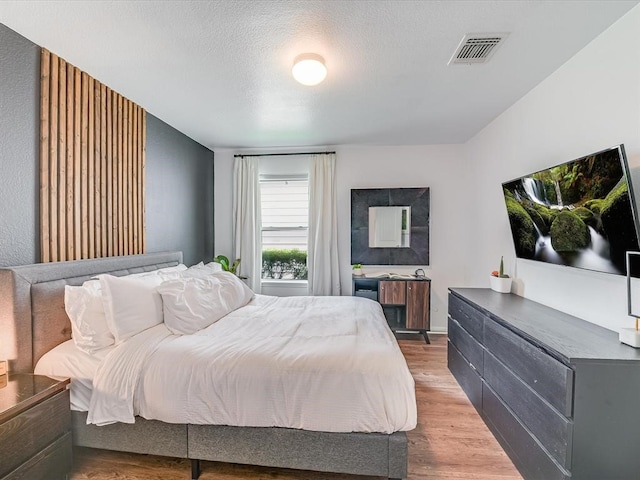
(477,48)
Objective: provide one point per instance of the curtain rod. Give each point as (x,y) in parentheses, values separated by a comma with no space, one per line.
(281,154)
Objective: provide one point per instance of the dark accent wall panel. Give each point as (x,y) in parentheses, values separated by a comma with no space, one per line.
(364,198)
(179,193)
(19,149)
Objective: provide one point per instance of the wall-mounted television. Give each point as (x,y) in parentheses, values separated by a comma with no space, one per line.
(581,213)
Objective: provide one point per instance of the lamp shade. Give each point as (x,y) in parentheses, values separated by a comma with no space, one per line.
(309,69)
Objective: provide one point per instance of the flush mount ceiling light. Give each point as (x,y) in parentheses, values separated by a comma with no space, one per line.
(309,69)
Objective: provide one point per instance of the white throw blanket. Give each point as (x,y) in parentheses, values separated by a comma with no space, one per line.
(315,363)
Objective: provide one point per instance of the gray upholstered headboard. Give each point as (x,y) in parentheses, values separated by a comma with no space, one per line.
(32,315)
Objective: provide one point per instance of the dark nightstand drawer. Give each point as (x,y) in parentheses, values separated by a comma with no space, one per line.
(466,344)
(52,463)
(553,430)
(466,375)
(31,431)
(551,379)
(471,319)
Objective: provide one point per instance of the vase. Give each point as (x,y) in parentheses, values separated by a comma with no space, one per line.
(501,285)
(357,271)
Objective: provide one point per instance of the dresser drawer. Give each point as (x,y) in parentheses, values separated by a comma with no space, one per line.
(527,455)
(52,463)
(466,376)
(553,430)
(466,345)
(544,374)
(28,433)
(471,319)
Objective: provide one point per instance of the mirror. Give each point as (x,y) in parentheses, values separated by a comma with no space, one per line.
(389,227)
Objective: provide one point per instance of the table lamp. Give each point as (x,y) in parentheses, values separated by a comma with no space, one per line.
(631,336)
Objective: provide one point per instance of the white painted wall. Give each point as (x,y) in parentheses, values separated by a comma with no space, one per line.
(590,103)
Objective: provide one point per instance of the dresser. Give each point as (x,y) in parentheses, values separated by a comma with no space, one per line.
(35,428)
(561,395)
(405,301)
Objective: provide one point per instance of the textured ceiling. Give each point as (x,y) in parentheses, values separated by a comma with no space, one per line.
(219,71)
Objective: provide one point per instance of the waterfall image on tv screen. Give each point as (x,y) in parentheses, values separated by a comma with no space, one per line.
(580,214)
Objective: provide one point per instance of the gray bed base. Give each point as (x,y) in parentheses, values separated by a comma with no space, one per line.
(33,321)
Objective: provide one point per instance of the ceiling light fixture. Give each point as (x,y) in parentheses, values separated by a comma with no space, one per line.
(309,69)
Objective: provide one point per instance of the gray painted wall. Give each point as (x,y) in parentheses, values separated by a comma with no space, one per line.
(179,193)
(19,149)
(179,171)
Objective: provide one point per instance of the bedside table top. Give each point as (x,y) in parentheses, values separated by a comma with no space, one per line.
(23,390)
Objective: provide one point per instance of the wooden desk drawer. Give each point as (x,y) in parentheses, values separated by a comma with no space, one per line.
(544,374)
(393,292)
(31,431)
(553,430)
(471,319)
(466,344)
(526,453)
(466,376)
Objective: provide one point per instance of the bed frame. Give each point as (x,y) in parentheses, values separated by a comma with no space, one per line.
(33,321)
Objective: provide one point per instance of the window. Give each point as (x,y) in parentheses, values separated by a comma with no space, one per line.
(285,226)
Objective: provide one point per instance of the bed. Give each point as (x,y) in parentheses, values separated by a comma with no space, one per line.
(32,312)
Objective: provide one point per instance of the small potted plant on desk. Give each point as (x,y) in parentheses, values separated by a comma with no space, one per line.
(357,269)
(499,281)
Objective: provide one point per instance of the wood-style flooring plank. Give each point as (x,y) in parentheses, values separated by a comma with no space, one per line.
(451,441)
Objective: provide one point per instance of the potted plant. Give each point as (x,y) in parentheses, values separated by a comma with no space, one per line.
(227,266)
(357,269)
(500,282)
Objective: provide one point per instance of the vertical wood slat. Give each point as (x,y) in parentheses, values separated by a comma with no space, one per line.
(121,185)
(125,177)
(62,161)
(92,149)
(91,173)
(142,146)
(70,186)
(77,154)
(95,99)
(103,168)
(53,158)
(45,236)
(109,131)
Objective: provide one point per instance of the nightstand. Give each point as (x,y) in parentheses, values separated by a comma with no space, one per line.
(35,428)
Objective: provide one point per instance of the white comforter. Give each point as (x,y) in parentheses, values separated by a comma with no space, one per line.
(315,363)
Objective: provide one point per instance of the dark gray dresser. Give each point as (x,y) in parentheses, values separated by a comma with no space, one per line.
(561,395)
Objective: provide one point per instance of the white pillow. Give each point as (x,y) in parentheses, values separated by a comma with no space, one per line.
(213,266)
(131,305)
(178,268)
(89,328)
(193,303)
(196,271)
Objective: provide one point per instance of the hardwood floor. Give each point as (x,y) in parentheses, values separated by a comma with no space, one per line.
(451,441)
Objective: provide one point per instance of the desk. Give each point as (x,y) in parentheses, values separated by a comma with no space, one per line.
(405,301)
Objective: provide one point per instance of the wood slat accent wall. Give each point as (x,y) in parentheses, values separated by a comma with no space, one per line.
(92,167)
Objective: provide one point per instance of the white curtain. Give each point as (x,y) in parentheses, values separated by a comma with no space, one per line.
(247,234)
(322,260)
